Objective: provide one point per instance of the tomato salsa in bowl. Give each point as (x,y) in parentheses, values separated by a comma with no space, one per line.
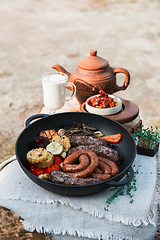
(103,104)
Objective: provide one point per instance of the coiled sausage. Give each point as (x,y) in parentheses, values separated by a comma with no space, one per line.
(105,173)
(112,165)
(84,163)
(101,176)
(108,168)
(105,168)
(90,169)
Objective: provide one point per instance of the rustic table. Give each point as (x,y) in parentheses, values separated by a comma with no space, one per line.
(60,217)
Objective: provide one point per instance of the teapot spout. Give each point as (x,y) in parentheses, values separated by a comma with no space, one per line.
(60,69)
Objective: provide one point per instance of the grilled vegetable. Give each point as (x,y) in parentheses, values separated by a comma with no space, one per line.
(56,165)
(55,148)
(113,138)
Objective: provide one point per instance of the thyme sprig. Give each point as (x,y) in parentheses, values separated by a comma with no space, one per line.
(146,137)
(121,191)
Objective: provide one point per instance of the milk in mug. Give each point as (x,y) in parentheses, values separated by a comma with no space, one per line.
(54,90)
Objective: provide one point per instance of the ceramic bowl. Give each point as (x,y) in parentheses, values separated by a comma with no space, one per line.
(104,111)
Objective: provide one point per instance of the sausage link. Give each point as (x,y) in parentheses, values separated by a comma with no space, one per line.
(103,171)
(84,163)
(98,170)
(104,167)
(101,176)
(113,166)
(108,168)
(90,169)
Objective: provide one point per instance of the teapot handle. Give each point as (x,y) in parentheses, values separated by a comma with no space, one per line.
(126,81)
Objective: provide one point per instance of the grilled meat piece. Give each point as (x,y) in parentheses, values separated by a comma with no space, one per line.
(60,177)
(101,151)
(87,140)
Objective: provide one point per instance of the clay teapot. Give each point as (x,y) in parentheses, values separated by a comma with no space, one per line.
(92,74)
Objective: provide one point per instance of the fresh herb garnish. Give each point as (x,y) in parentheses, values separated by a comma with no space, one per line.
(146,138)
(121,191)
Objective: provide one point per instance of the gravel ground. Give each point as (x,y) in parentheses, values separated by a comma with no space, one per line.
(35,34)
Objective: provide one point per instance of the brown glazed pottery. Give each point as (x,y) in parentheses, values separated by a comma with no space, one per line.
(92,74)
(127,114)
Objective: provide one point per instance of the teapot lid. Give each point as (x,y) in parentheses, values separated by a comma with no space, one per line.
(93,62)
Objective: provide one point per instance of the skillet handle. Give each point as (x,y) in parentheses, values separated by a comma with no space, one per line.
(124,181)
(27,123)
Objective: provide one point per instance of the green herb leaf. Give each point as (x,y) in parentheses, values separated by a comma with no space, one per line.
(121,191)
(146,138)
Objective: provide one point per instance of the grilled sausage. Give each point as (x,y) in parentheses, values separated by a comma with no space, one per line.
(102,151)
(98,170)
(84,163)
(87,140)
(112,165)
(105,168)
(60,177)
(104,173)
(101,176)
(90,169)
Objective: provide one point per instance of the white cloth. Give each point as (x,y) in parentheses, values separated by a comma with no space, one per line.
(82,217)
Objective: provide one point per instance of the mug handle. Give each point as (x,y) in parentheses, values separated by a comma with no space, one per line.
(71,85)
(126,81)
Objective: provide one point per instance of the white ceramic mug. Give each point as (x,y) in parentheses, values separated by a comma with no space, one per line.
(54,90)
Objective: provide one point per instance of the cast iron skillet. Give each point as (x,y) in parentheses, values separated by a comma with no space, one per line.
(126,148)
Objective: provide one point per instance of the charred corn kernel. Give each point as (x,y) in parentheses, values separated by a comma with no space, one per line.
(37,155)
(44,176)
(46,163)
(64,140)
(55,148)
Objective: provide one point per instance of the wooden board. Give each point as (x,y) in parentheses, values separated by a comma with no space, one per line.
(128,113)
